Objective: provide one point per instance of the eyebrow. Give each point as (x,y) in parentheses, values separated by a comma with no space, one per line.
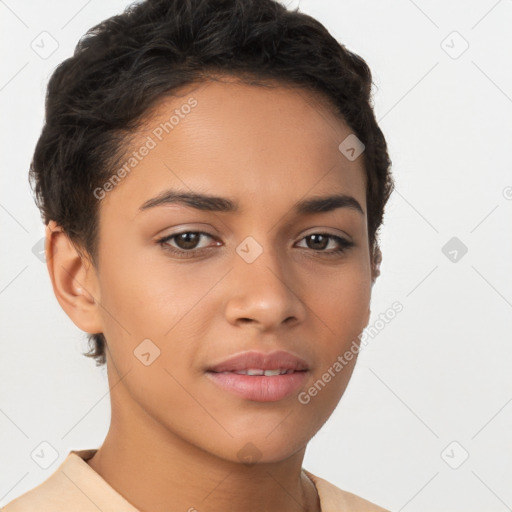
(211,203)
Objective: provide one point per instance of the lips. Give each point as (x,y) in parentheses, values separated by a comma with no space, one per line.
(260,377)
(259,363)
(260,388)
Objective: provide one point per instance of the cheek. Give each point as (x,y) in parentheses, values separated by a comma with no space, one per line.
(343,312)
(154,310)
(144,308)
(147,295)
(342,301)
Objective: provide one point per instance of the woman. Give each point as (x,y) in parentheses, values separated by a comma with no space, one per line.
(212,179)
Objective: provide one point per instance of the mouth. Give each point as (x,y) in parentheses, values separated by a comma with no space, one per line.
(260,377)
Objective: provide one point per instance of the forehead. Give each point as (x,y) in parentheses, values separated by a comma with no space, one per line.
(242,140)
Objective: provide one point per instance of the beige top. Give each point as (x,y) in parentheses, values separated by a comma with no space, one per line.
(76,487)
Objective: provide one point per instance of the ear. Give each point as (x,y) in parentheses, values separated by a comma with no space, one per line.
(73,279)
(375,263)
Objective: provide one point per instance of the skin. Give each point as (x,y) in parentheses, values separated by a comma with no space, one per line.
(174,435)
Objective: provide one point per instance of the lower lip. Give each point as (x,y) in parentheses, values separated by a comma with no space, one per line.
(260,388)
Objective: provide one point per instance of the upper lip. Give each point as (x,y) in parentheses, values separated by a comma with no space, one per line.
(264,361)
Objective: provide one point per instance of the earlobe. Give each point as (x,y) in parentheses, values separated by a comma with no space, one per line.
(73,280)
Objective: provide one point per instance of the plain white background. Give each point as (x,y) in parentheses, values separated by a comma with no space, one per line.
(426,420)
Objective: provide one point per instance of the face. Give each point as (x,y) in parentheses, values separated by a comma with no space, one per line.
(184,285)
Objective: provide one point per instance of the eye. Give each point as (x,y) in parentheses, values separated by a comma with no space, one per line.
(186,243)
(319,241)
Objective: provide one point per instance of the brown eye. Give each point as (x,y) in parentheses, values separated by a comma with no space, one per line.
(187,240)
(320,241)
(184,244)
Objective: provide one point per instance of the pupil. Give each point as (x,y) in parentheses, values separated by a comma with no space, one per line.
(186,238)
(323,245)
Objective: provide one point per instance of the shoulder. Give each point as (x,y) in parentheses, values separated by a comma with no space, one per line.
(52,494)
(56,493)
(73,486)
(334,499)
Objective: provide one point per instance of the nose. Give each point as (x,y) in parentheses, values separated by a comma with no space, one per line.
(265,292)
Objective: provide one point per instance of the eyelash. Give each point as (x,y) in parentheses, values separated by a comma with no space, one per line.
(182,253)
